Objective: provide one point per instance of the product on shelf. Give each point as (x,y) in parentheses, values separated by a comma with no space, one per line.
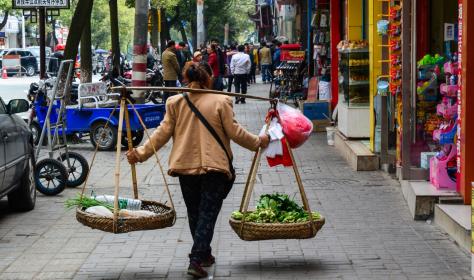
(352,45)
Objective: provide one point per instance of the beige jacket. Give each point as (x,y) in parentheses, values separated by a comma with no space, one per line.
(195,151)
(265,56)
(170,65)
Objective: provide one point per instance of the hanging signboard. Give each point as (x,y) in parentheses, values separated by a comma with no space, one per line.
(32,4)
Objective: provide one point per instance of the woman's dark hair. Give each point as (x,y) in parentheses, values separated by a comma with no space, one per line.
(206,67)
(196,73)
(213,47)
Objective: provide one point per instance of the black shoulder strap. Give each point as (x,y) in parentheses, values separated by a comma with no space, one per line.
(208,126)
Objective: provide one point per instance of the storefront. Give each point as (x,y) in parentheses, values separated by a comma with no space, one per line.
(431,98)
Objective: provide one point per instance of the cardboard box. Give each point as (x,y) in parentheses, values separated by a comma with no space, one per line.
(320,125)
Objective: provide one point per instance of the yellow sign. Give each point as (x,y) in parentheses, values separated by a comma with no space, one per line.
(150,19)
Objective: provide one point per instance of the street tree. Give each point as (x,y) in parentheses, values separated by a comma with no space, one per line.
(86,52)
(5,7)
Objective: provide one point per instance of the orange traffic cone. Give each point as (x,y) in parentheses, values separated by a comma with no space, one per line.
(4,73)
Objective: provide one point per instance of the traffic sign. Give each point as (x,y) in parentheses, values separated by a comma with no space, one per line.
(32,4)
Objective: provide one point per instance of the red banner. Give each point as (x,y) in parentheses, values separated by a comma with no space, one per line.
(292,55)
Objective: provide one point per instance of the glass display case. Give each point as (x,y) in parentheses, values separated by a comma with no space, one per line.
(354,72)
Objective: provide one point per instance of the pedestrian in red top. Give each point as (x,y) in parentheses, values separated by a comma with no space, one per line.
(213,61)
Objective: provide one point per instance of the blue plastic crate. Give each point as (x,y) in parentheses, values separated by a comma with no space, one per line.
(319,110)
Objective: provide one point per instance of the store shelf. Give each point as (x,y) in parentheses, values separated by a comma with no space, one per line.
(354,50)
(359,83)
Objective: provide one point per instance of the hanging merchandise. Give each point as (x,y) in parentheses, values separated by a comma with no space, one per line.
(322,41)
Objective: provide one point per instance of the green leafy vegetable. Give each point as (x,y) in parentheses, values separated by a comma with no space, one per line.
(276,208)
(85,202)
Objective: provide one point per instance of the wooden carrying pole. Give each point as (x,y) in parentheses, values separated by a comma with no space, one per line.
(130,148)
(191,90)
(117,164)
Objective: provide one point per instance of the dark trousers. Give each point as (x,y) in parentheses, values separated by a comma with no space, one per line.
(253,70)
(168,94)
(217,83)
(203,196)
(230,80)
(241,85)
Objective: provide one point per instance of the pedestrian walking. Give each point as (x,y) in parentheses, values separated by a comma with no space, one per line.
(171,69)
(265,62)
(276,55)
(230,77)
(254,64)
(213,61)
(200,159)
(240,68)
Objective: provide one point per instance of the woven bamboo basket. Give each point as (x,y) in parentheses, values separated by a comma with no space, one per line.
(267,231)
(250,231)
(165,217)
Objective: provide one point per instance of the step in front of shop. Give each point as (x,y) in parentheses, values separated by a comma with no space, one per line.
(421,198)
(455,220)
(356,153)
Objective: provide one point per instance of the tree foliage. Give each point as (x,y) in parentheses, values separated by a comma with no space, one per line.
(216,14)
(100,23)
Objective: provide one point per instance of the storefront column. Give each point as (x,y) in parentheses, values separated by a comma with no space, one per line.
(406,87)
(467,101)
(335,10)
(375,50)
(354,20)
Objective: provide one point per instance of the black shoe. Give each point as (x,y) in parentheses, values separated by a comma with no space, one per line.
(209,261)
(237,101)
(195,269)
(243,101)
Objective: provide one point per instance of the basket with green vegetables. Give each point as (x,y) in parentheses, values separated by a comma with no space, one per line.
(276,208)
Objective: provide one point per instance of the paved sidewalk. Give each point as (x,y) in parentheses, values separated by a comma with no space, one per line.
(368,233)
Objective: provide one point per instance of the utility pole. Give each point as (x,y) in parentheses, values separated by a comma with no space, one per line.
(140,48)
(23,41)
(200,23)
(42,31)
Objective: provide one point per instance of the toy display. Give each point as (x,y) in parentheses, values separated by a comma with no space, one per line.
(443,166)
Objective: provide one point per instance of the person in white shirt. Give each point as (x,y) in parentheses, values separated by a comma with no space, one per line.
(240,67)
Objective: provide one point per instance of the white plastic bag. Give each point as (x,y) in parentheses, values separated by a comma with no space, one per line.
(276,134)
(100,211)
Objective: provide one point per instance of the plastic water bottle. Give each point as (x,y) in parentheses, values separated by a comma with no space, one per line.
(124,203)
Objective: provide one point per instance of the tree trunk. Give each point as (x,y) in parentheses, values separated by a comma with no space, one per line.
(194,35)
(55,40)
(114,33)
(165,31)
(183,32)
(79,19)
(86,53)
(154,38)
(4,21)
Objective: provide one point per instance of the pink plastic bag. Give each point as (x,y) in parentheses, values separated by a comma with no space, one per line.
(296,127)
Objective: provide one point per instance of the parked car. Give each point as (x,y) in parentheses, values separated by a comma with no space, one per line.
(17,163)
(35,50)
(28,61)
